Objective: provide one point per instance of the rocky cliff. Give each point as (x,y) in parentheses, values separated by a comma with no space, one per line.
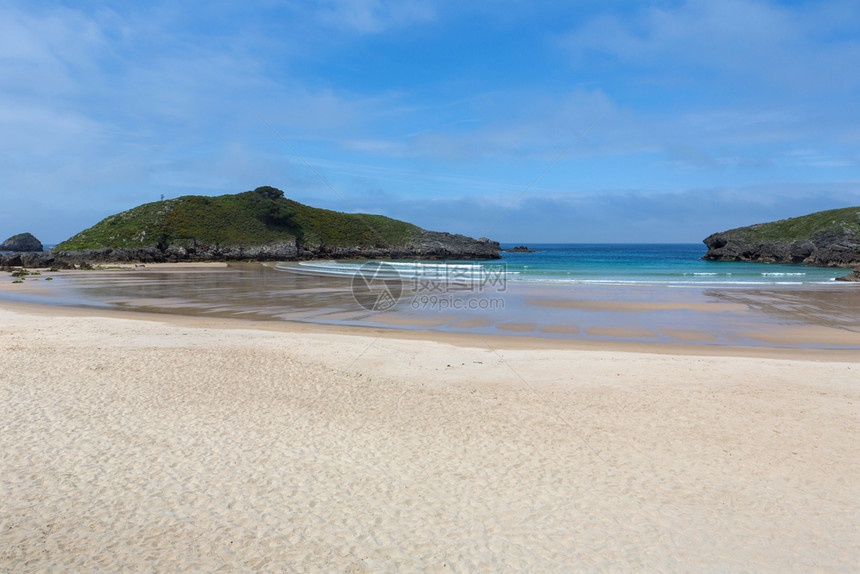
(259,225)
(826,239)
(21,243)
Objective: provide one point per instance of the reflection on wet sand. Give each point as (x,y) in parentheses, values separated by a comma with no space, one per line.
(688,335)
(560,329)
(809,316)
(620,332)
(632,306)
(517,327)
(838,306)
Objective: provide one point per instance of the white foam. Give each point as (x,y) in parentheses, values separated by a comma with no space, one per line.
(440,271)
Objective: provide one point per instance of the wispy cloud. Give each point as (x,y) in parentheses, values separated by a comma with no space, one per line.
(374,16)
(623,216)
(802,48)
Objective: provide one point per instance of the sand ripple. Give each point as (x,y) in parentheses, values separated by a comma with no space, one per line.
(139,446)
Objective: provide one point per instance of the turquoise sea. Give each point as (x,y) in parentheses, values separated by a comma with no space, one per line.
(651,264)
(672,265)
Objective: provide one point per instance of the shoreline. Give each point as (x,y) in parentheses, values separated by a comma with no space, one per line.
(734,322)
(463,340)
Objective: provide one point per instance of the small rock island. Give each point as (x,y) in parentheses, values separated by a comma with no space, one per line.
(519,249)
(22,243)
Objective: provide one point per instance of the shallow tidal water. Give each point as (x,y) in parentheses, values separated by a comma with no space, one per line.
(805,316)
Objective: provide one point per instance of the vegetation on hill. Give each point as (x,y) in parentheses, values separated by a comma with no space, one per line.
(826,238)
(838,221)
(259,217)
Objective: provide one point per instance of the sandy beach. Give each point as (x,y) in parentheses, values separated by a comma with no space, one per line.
(420,286)
(135,442)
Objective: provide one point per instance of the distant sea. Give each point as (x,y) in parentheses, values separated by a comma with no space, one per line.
(616,264)
(651,264)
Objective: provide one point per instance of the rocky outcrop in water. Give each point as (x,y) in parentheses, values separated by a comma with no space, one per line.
(824,239)
(851,276)
(23,242)
(519,249)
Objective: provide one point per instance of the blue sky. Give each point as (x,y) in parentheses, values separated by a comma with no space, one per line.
(703,115)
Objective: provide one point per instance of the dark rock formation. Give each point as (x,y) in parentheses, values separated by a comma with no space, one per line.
(826,249)
(427,245)
(437,245)
(23,242)
(519,249)
(824,239)
(851,276)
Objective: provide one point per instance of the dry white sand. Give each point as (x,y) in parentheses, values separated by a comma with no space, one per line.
(143,445)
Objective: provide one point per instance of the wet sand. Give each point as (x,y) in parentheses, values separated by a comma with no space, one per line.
(517,327)
(824,317)
(633,306)
(133,441)
(621,332)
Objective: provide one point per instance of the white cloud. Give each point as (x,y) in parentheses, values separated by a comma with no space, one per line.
(374,16)
(517,124)
(93,100)
(763,43)
(621,216)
